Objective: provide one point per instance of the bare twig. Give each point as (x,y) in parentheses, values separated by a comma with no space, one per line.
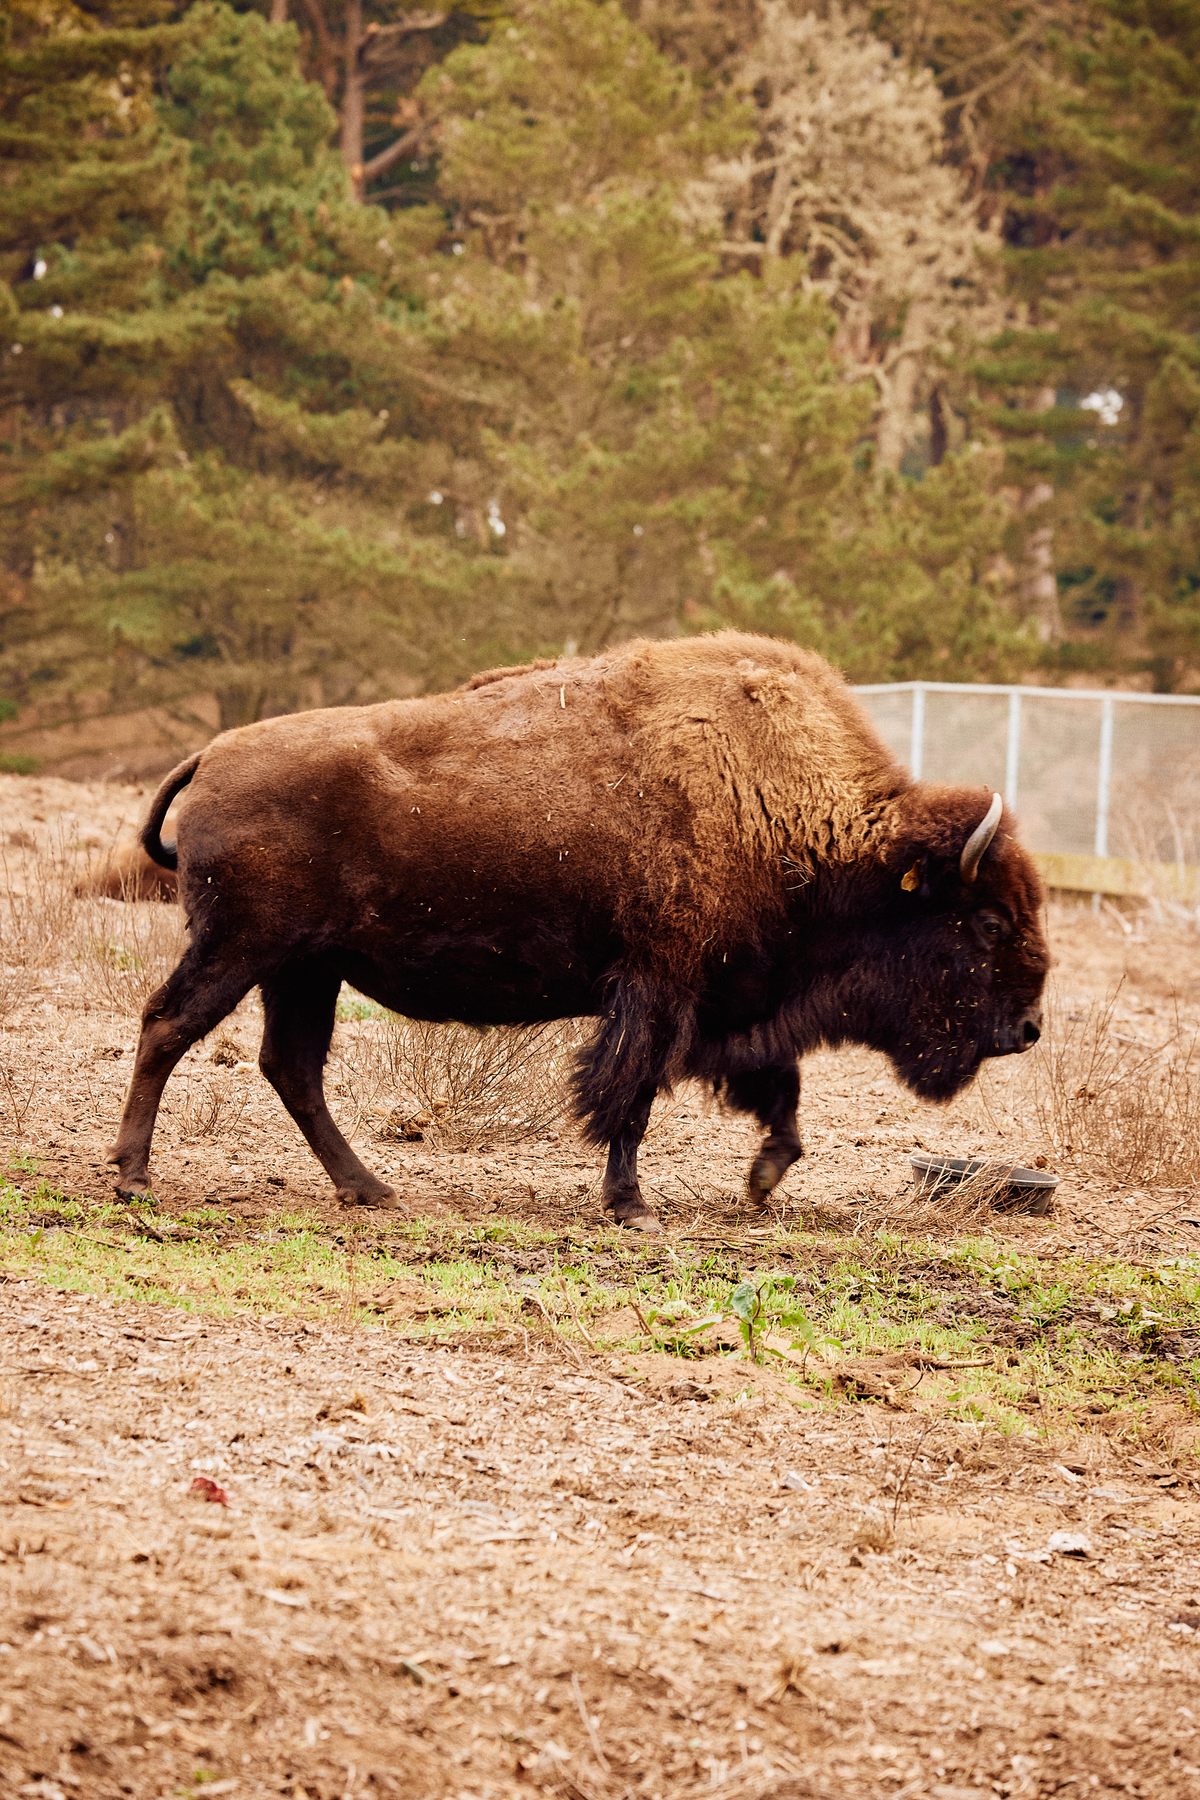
(384,160)
(589,1726)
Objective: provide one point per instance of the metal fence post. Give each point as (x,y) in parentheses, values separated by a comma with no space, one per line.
(1104,782)
(1012,752)
(916,739)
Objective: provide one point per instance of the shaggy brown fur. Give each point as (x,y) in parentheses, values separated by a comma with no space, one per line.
(128,874)
(701,842)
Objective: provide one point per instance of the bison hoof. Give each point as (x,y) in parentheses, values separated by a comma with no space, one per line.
(131,1183)
(767,1171)
(374,1193)
(634,1214)
(132,1187)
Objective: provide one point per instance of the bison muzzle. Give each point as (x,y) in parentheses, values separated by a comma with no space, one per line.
(701,844)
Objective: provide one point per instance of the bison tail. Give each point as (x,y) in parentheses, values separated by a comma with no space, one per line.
(166,855)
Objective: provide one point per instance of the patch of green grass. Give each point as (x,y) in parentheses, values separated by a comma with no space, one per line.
(1128,1295)
(354,1008)
(969,1330)
(117,956)
(450,1237)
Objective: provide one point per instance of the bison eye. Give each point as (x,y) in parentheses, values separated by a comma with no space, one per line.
(990,927)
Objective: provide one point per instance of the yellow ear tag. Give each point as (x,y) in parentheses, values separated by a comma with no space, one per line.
(911,880)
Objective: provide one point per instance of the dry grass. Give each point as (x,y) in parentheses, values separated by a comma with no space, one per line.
(1121,1106)
(457,1087)
(126,949)
(949,1205)
(17,1094)
(1160,828)
(36,911)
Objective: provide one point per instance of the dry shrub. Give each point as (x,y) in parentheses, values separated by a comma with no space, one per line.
(126,949)
(17,1093)
(456,1086)
(15,982)
(36,906)
(1158,826)
(949,1205)
(1121,1106)
(212,1106)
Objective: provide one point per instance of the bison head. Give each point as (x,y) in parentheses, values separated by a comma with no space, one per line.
(970,955)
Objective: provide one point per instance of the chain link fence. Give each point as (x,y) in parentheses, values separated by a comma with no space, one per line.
(1106,785)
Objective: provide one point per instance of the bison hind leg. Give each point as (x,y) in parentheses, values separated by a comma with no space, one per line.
(202,990)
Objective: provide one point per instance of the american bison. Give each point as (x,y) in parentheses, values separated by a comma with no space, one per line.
(128,874)
(700,843)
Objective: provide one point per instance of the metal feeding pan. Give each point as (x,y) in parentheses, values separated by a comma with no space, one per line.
(1003,1184)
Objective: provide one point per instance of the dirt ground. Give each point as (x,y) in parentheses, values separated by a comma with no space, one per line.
(458,1572)
(505,1566)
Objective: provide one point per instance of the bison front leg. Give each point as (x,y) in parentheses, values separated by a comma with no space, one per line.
(622,1191)
(772,1094)
(616,1080)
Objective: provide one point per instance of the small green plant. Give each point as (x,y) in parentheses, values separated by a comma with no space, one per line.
(769,1308)
(674,1327)
(118,957)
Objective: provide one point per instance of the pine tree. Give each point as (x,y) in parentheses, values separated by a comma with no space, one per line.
(1109,268)
(368,56)
(1078,122)
(86,184)
(668,439)
(270,555)
(268,431)
(585,313)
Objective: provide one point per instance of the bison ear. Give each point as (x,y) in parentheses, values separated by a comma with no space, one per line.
(913,880)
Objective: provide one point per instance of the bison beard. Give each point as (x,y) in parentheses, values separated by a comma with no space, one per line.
(700,843)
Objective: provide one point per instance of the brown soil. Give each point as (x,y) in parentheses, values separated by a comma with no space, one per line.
(471,1572)
(503,1568)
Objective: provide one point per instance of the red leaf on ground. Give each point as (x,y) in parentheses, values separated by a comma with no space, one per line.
(210,1490)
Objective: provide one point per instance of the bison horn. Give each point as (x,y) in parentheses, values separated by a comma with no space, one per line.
(980,838)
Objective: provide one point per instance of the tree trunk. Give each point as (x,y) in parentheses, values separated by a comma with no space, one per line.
(939,428)
(326,52)
(279,11)
(1038,581)
(899,401)
(353,97)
